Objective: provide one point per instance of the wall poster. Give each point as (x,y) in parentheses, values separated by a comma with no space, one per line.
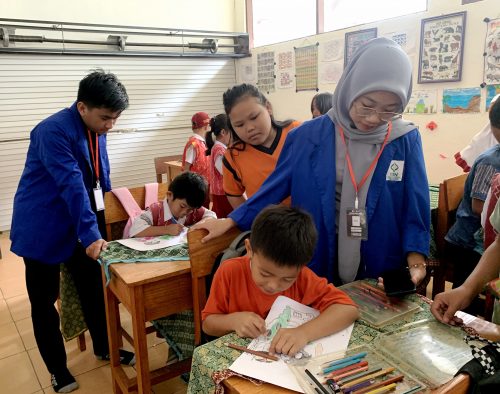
(492,53)
(441,48)
(355,39)
(265,72)
(306,68)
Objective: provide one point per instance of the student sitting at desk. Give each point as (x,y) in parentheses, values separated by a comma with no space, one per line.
(181,207)
(244,288)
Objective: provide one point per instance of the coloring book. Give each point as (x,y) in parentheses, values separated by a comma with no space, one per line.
(287,313)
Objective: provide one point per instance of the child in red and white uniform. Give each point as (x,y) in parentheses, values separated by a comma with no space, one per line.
(181,207)
(219,129)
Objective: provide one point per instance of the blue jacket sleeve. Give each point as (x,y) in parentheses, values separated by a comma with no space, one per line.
(274,190)
(54,148)
(416,236)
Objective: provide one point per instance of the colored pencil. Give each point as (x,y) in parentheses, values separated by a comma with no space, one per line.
(359,386)
(339,366)
(338,377)
(359,375)
(412,390)
(379,384)
(341,360)
(384,389)
(316,382)
(375,289)
(350,368)
(254,352)
(367,377)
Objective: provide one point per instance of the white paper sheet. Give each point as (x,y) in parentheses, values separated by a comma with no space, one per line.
(152,243)
(288,313)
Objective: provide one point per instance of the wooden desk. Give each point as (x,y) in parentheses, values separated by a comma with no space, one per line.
(458,385)
(173,169)
(148,291)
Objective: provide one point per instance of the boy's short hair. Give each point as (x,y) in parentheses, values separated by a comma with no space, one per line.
(287,236)
(100,89)
(494,114)
(190,186)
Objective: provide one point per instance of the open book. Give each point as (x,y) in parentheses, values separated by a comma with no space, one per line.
(287,313)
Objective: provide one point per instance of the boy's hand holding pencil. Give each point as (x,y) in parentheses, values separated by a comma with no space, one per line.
(248,324)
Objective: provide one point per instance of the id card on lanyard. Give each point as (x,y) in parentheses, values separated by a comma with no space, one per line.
(98,196)
(357,224)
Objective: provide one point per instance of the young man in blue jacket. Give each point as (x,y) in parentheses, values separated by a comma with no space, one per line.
(59,216)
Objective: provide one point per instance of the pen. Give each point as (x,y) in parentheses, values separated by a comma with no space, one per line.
(379,384)
(320,386)
(341,360)
(254,352)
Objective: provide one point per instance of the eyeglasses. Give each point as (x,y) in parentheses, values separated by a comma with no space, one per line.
(367,111)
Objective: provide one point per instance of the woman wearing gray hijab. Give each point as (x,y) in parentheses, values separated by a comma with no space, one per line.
(359,171)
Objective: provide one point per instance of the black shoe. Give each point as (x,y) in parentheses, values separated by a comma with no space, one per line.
(63,382)
(126,357)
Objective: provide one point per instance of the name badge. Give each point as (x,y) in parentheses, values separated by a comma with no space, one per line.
(98,198)
(395,171)
(356,224)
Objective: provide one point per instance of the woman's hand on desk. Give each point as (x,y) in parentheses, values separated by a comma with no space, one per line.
(446,304)
(215,227)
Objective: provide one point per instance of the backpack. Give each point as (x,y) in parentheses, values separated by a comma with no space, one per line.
(130,205)
(235,249)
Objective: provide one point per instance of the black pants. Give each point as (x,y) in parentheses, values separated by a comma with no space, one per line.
(42,282)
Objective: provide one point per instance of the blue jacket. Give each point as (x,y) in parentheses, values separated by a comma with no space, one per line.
(398,212)
(52,208)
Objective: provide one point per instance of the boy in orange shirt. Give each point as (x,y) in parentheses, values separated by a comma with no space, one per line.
(244,288)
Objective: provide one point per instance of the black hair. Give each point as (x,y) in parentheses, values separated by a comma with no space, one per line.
(287,236)
(217,124)
(494,114)
(190,186)
(323,101)
(100,89)
(237,93)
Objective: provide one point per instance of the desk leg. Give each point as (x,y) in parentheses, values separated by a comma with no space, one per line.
(140,342)
(114,334)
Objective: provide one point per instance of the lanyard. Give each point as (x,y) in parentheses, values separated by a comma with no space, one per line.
(94,156)
(357,186)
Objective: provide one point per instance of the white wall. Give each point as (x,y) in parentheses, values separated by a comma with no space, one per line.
(216,15)
(454,131)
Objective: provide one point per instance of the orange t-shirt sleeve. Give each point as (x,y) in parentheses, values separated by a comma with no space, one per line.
(218,302)
(320,294)
(231,178)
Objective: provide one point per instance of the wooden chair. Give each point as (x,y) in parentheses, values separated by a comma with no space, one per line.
(450,194)
(162,168)
(115,215)
(202,257)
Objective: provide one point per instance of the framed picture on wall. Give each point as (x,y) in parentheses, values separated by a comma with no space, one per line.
(355,39)
(441,48)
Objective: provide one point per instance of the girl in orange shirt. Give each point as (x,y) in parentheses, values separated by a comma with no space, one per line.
(257,140)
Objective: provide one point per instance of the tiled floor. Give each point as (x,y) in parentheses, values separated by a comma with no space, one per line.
(22,370)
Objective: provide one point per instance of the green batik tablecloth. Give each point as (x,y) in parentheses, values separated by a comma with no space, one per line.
(72,320)
(215,356)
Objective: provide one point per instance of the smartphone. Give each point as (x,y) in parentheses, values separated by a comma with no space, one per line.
(397,282)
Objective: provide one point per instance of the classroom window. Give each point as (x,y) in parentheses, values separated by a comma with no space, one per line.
(339,14)
(278,20)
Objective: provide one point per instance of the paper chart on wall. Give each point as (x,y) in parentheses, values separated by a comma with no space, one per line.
(265,72)
(247,70)
(287,313)
(152,243)
(332,50)
(330,72)
(285,60)
(406,39)
(492,53)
